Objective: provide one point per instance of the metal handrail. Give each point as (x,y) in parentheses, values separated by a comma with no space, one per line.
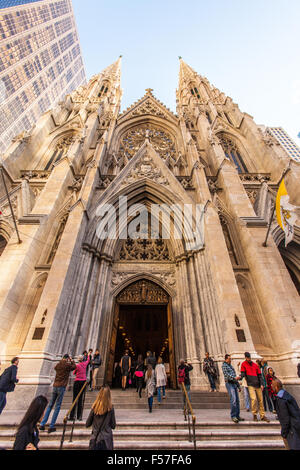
(65,421)
(188,413)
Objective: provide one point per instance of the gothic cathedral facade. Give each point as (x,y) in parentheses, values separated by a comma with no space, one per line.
(65,289)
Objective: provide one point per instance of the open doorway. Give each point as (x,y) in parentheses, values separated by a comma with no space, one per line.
(142,322)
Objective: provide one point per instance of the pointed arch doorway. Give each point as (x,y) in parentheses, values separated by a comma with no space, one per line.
(142,321)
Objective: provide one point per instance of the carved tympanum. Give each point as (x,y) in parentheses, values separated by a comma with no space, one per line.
(143,292)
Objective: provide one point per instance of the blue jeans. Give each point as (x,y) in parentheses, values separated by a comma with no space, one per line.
(247,398)
(211,381)
(2,401)
(159,390)
(150,402)
(57,397)
(234,400)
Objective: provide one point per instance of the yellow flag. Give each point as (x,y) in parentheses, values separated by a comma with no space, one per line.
(285,212)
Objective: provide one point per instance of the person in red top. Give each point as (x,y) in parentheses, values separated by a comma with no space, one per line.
(80,380)
(251,372)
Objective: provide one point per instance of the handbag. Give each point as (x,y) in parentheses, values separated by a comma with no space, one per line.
(94,445)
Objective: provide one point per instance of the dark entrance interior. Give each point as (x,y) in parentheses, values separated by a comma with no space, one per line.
(143,328)
(142,321)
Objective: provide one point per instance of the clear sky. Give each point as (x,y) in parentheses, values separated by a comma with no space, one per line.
(250,49)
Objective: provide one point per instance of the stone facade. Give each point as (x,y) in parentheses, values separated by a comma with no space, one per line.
(61,286)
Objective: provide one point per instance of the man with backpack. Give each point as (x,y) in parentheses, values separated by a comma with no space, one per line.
(8,381)
(289,416)
(184,370)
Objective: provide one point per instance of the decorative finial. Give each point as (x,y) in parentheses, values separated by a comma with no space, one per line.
(149,91)
(179,57)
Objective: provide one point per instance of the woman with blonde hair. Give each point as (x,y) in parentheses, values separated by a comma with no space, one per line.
(161,379)
(102,418)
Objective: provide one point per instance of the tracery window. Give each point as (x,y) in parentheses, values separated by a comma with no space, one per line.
(60,150)
(232,152)
(160,139)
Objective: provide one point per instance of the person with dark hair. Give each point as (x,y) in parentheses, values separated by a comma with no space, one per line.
(80,372)
(27,437)
(150,385)
(118,375)
(63,369)
(8,381)
(139,374)
(150,359)
(269,378)
(233,389)
(288,414)
(125,366)
(184,370)
(96,363)
(210,370)
(251,371)
(89,370)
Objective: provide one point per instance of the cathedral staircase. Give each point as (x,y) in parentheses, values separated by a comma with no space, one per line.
(165,428)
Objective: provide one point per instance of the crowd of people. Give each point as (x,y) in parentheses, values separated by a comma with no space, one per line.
(262,391)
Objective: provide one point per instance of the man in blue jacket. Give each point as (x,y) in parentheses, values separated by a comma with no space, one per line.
(8,381)
(289,416)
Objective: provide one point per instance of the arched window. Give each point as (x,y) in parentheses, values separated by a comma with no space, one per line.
(60,150)
(232,152)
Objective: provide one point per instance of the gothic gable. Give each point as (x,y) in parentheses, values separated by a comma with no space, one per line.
(148,105)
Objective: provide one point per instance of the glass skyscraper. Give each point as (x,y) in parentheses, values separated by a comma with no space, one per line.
(40,61)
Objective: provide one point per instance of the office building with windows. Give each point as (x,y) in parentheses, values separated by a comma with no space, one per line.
(40,61)
(286,142)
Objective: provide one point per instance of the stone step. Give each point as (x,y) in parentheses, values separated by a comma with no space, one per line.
(247,444)
(157,435)
(157,426)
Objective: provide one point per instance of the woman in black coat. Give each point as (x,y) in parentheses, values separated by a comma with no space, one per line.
(102,418)
(27,437)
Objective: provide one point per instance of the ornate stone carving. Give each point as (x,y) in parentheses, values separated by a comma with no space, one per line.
(145,168)
(252,194)
(168,277)
(268,139)
(149,107)
(76,184)
(143,292)
(161,141)
(212,137)
(255,177)
(213,185)
(35,174)
(144,250)
(186,182)
(105,180)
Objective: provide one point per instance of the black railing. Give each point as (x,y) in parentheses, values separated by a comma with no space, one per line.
(66,418)
(189,416)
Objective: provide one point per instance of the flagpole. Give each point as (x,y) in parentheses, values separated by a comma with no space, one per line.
(9,201)
(274,208)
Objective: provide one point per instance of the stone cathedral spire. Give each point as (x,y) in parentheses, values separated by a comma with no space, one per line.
(66,288)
